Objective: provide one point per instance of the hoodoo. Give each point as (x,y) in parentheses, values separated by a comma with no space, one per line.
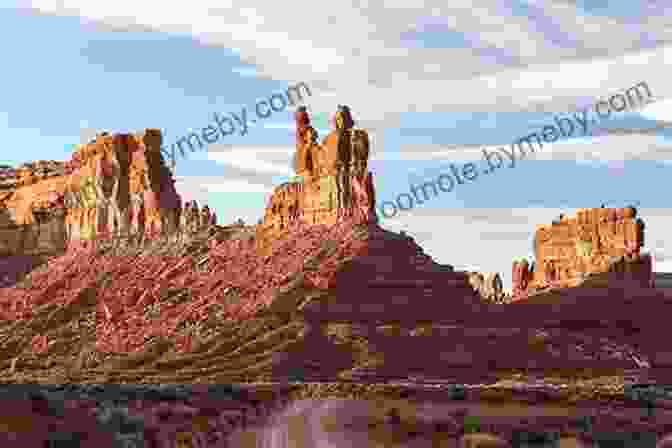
(332,180)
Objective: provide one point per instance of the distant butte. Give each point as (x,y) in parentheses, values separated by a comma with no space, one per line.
(597,243)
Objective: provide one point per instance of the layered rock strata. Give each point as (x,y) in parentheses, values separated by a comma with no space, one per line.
(116,185)
(332,180)
(318,250)
(596,241)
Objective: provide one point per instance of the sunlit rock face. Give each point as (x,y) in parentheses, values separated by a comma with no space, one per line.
(332,180)
(119,184)
(596,241)
(115,185)
(488,285)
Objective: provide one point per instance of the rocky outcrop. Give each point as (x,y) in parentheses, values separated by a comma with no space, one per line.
(332,181)
(597,241)
(114,186)
(31,223)
(488,285)
(521,277)
(119,185)
(319,250)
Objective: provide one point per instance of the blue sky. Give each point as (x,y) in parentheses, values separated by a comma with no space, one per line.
(434,83)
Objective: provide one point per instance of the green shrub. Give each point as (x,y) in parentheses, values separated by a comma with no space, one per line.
(471,424)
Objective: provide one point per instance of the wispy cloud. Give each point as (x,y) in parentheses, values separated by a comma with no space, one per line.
(198,187)
(660,110)
(383,78)
(229,186)
(250,161)
(246,71)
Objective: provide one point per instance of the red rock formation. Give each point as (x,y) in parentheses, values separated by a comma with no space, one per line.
(319,234)
(522,274)
(332,181)
(596,241)
(323,254)
(114,185)
(370,273)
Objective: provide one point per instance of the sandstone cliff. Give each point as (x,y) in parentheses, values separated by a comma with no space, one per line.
(116,186)
(602,242)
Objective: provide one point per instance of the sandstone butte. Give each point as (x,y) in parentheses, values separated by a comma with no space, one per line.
(598,244)
(318,249)
(113,186)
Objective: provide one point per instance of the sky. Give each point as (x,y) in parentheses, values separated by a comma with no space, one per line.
(433,82)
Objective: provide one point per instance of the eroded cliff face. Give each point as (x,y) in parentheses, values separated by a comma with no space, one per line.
(332,180)
(488,285)
(318,251)
(597,241)
(170,311)
(114,186)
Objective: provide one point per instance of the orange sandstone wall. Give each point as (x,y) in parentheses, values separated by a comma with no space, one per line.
(114,185)
(597,240)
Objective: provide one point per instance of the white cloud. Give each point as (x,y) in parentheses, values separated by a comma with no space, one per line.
(372,69)
(256,149)
(292,127)
(437,152)
(608,148)
(252,159)
(659,110)
(232,186)
(86,135)
(584,150)
(288,126)
(199,187)
(463,246)
(662,266)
